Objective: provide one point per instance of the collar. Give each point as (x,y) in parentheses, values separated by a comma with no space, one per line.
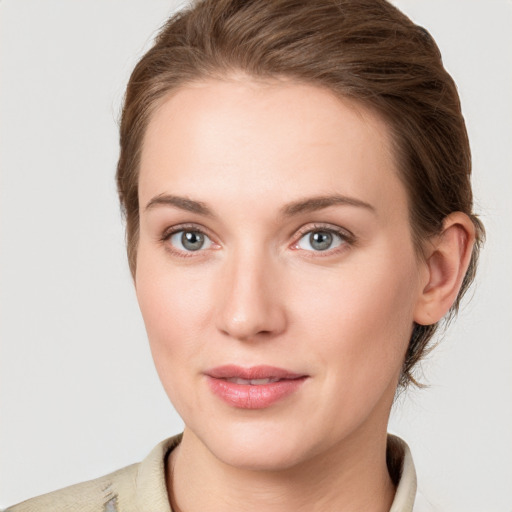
(401,469)
(151,485)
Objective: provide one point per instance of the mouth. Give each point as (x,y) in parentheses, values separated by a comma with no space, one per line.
(252,382)
(254,373)
(257,387)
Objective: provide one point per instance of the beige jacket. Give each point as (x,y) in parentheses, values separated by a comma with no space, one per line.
(141,487)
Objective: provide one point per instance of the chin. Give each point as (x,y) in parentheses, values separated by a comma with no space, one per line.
(259,446)
(258,456)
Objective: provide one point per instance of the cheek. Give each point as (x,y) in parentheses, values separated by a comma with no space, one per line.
(174,316)
(172,301)
(361,316)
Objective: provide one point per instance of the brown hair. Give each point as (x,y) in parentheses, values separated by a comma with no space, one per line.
(366,50)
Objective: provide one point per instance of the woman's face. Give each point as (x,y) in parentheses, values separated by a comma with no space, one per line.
(276,272)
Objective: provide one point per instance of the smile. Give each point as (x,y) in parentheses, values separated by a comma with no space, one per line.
(257,387)
(251,382)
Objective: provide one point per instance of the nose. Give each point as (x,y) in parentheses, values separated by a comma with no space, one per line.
(251,307)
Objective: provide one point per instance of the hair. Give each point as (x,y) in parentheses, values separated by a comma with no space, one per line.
(363,50)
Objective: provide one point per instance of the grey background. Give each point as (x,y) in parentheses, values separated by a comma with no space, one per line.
(78,393)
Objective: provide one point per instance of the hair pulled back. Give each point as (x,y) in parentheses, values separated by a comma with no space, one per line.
(365,50)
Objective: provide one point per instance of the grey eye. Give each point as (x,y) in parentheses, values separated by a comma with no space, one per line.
(320,240)
(190,240)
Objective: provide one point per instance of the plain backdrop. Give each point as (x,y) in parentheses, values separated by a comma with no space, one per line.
(78,393)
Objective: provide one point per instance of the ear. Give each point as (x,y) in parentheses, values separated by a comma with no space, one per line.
(447,258)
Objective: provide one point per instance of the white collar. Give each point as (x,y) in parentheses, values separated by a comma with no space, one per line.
(407,484)
(151,483)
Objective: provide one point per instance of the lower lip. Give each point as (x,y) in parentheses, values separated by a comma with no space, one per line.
(247,396)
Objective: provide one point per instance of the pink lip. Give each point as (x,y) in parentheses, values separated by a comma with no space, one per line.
(249,396)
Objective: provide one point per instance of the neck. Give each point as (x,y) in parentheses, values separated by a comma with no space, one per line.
(352,476)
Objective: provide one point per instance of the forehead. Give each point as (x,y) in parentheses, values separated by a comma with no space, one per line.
(248,137)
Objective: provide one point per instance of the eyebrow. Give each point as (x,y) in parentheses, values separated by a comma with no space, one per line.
(306,205)
(182,203)
(312,204)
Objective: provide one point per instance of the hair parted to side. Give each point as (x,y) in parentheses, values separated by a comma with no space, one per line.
(365,50)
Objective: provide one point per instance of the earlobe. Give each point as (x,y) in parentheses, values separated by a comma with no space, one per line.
(447,260)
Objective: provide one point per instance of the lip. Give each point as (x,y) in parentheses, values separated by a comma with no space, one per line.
(253,396)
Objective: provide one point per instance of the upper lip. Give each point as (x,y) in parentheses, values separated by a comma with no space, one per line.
(231,371)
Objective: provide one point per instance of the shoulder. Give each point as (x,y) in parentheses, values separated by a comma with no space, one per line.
(99,495)
(130,489)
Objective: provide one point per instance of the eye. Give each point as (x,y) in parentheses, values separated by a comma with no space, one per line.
(320,240)
(189,240)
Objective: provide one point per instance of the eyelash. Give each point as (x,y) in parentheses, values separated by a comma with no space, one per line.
(168,233)
(346,237)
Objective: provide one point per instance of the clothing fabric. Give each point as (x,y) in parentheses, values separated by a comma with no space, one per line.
(142,488)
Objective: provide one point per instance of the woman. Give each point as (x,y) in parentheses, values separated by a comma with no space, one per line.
(295,179)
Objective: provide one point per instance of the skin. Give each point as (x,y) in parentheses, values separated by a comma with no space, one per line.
(259,293)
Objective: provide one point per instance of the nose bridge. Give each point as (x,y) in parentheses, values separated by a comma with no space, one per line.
(251,304)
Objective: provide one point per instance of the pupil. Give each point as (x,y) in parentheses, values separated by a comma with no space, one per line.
(192,241)
(320,240)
